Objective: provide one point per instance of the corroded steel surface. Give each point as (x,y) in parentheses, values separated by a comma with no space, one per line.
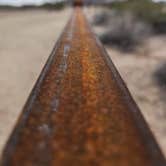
(80,112)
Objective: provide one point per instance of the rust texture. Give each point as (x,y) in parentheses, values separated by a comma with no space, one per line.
(80,111)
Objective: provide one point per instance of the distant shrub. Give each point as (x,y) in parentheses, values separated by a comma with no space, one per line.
(160,75)
(47,6)
(145,10)
(123,30)
(101,18)
(54,6)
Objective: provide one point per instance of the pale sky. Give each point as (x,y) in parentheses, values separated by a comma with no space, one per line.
(159,0)
(24,2)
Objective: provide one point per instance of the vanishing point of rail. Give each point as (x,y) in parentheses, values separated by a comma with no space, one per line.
(80,112)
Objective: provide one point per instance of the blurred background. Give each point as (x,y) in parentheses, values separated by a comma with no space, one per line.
(132,31)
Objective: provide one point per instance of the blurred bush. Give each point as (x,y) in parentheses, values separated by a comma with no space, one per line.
(102,18)
(145,10)
(160,76)
(128,23)
(122,30)
(55,6)
(48,6)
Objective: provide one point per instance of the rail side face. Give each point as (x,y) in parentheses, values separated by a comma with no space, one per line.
(80,112)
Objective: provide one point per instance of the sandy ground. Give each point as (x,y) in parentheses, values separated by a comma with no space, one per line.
(26,40)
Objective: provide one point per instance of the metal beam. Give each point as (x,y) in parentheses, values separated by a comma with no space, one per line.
(80,111)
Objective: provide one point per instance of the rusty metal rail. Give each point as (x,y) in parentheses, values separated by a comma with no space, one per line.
(80,111)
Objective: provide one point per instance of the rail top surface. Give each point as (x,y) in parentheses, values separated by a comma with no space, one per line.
(80,111)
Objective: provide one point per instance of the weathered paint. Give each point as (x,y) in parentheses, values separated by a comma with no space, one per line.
(80,111)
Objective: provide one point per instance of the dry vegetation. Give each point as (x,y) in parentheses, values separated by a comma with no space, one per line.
(46,6)
(122,30)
